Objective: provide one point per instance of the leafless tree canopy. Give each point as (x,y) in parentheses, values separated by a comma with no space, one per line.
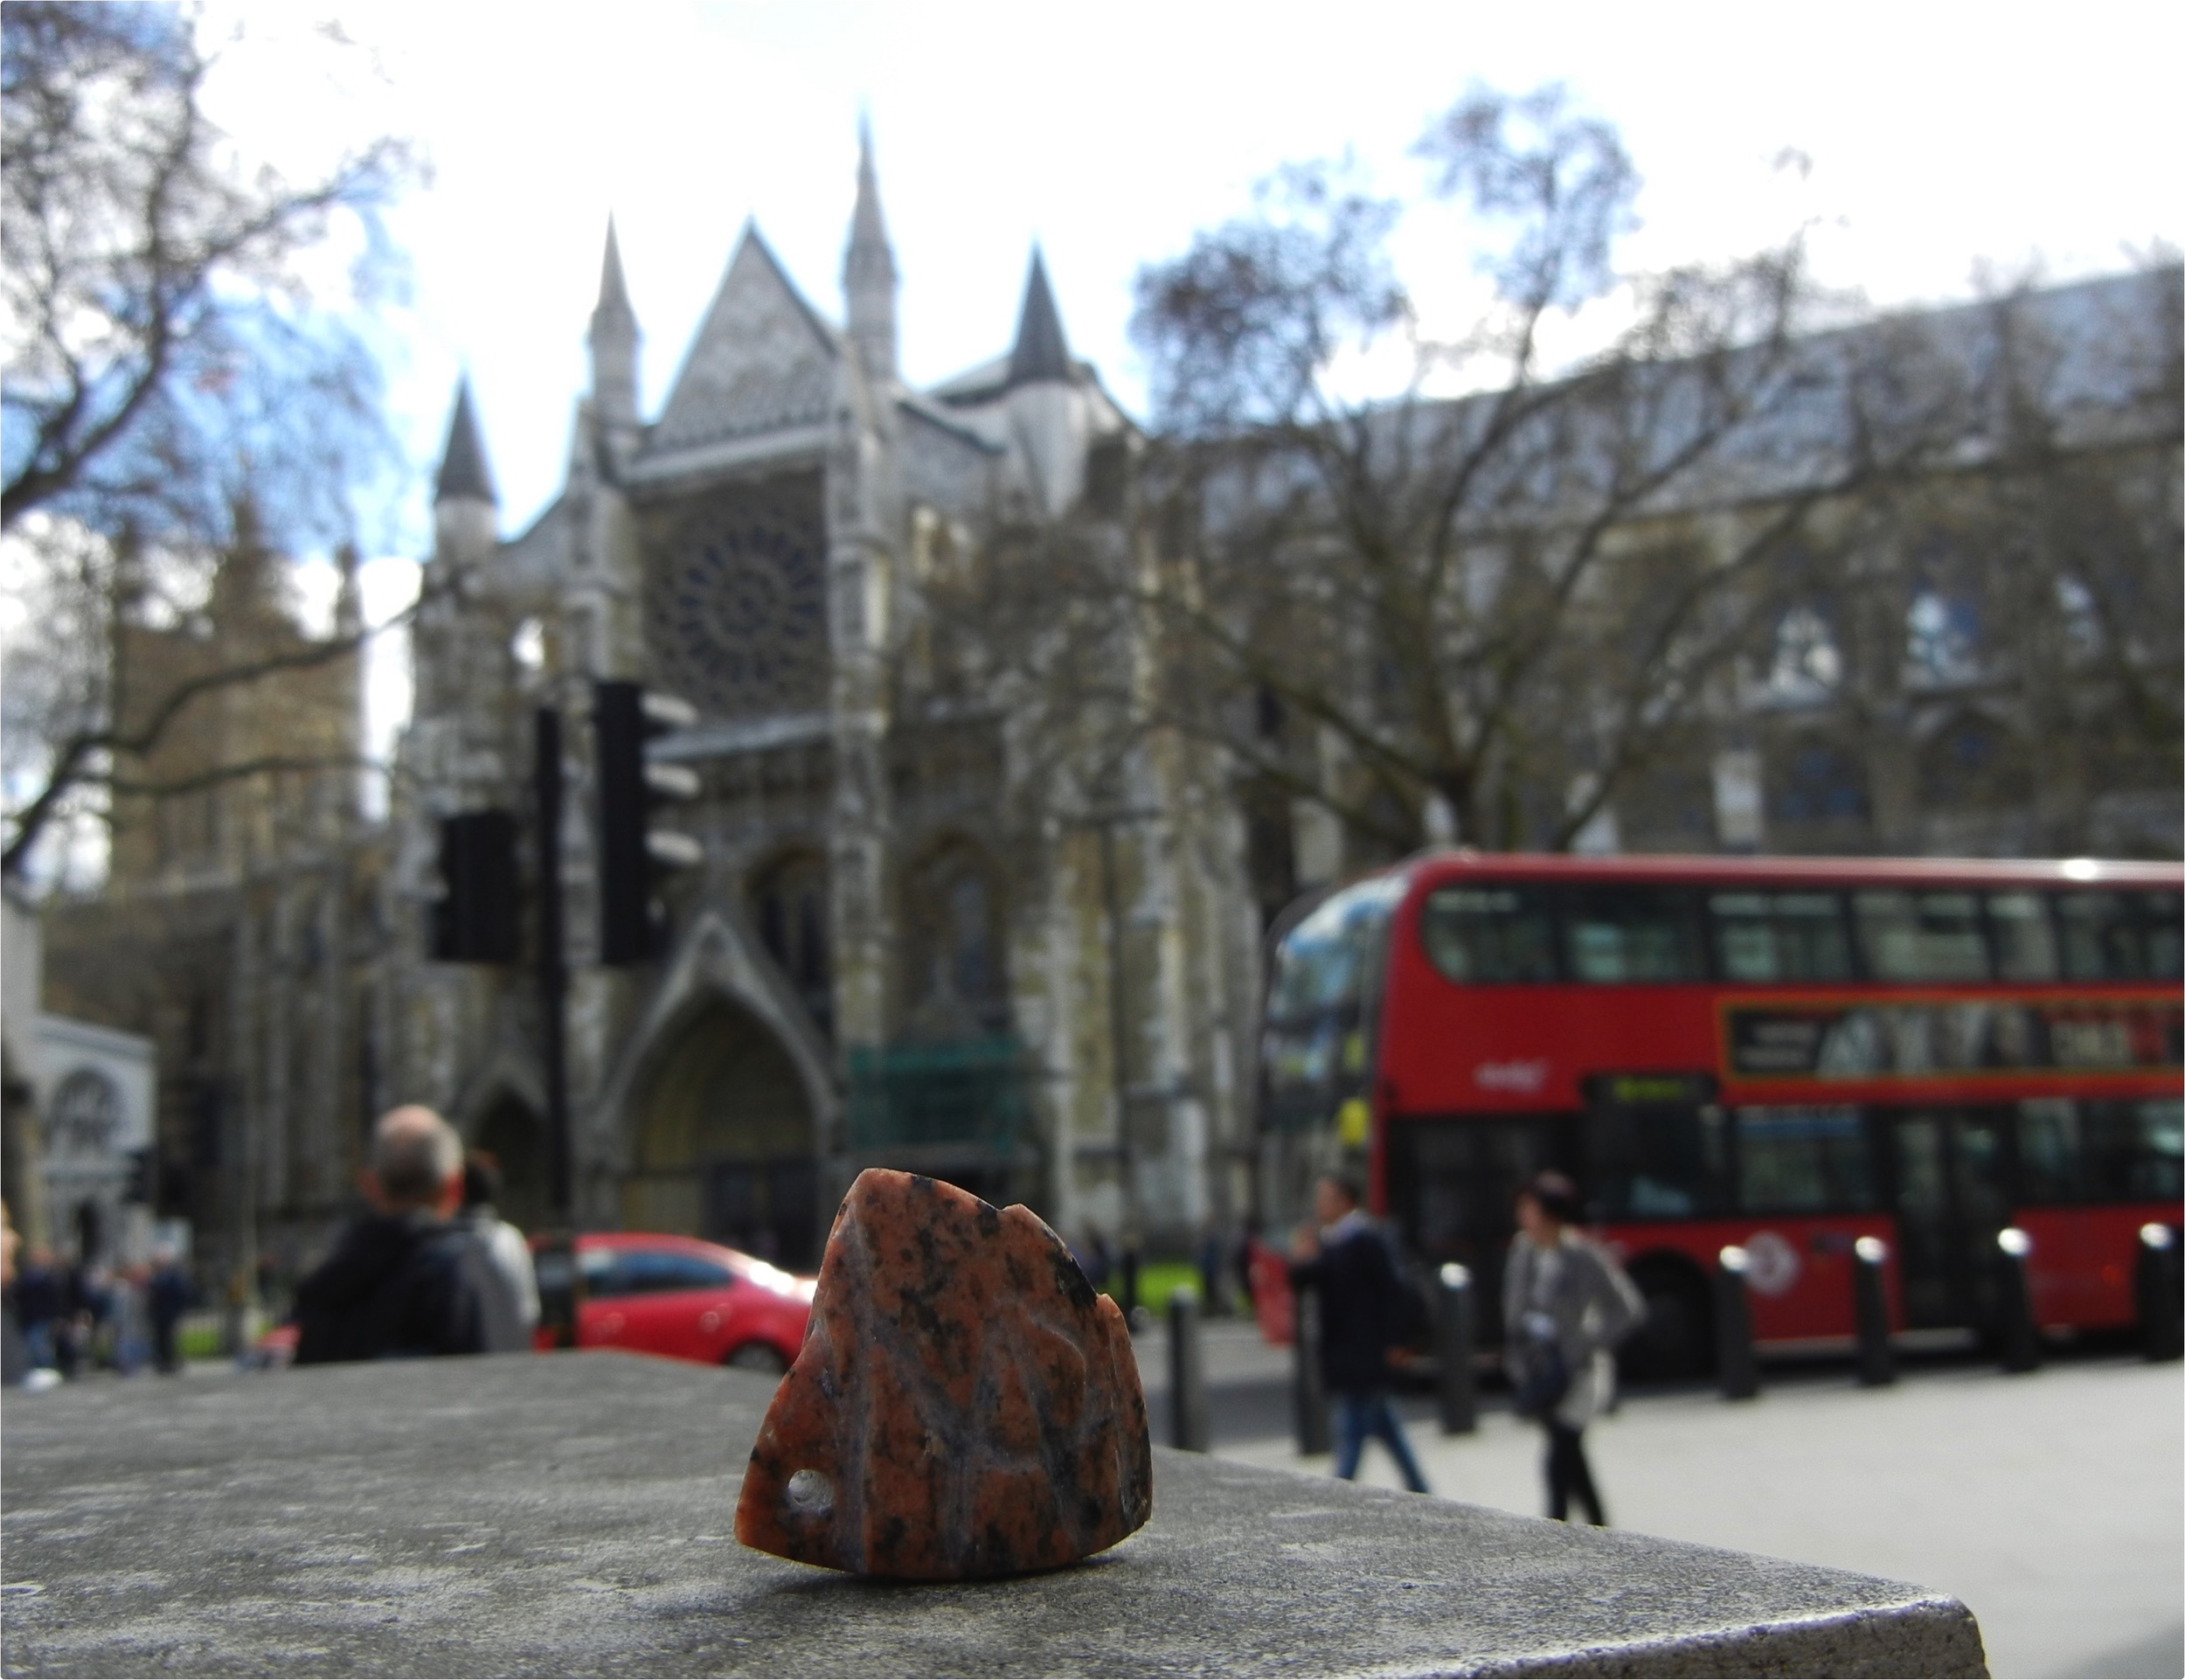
(1510,585)
(166,368)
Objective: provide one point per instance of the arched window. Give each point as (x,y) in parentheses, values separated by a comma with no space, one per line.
(788,902)
(1807,663)
(1815,782)
(954,976)
(1941,638)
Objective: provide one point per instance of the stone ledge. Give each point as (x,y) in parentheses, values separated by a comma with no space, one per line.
(525,1514)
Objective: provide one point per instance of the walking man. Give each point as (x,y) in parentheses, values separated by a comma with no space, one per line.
(406,1280)
(1565,1303)
(168,1298)
(1362,1316)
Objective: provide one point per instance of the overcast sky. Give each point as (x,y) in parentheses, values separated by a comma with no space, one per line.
(1944,141)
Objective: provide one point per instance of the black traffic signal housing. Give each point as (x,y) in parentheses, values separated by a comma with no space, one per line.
(635,858)
(143,1185)
(478,920)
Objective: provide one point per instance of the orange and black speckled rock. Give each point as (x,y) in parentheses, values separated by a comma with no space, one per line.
(965,1405)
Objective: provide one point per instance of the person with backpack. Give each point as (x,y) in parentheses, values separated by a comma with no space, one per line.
(1366,1308)
(407,1279)
(1565,1304)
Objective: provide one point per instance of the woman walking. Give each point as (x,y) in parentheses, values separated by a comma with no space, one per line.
(1565,1304)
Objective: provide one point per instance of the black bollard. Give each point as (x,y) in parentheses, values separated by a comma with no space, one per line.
(1189,1423)
(1870,1310)
(2155,1283)
(1130,1269)
(2015,1328)
(1310,1398)
(1737,1367)
(1453,1351)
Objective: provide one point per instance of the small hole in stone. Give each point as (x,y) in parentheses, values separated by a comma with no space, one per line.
(811,1493)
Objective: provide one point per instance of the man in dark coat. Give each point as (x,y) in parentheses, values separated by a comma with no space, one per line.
(1361,1317)
(167,1298)
(405,1280)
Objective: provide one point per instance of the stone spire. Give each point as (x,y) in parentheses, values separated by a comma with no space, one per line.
(869,277)
(463,498)
(613,339)
(1041,353)
(464,474)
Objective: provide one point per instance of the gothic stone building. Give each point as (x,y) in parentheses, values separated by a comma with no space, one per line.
(876,962)
(910,941)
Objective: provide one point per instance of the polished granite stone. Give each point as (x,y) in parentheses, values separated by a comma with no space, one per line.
(964,1406)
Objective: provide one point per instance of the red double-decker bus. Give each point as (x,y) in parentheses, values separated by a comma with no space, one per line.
(1785,1054)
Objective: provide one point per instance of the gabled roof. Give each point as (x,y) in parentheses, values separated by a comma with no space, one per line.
(1041,351)
(463,472)
(763,358)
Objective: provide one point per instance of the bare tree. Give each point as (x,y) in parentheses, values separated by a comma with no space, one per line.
(167,367)
(1502,589)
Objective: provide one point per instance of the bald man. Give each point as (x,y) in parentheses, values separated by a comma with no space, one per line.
(406,1281)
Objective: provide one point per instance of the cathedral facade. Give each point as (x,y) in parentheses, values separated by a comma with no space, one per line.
(889,954)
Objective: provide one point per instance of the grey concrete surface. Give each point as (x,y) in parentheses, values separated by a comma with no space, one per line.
(2051,1505)
(572,1514)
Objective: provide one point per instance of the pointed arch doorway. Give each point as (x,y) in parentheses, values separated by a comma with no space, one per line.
(724,1145)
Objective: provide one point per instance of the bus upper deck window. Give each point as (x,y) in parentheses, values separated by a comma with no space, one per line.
(1619,935)
(2025,940)
(1779,936)
(1921,936)
(1488,935)
(2160,918)
(2102,938)
(1320,968)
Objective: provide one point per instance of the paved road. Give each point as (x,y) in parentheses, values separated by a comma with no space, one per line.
(2053,1503)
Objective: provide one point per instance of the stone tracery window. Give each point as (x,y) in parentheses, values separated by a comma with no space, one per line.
(738,603)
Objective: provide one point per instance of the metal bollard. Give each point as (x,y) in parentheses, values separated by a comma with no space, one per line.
(2156,1284)
(1188,1419)
(1128,1266)
(1453,1351)
(1870,1310)
(1737,1366)
(2014,1302)
(1310,1398)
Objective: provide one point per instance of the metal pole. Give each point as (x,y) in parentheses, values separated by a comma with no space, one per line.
(1190,1423)
(1310,1397)
(553,969)
(1118,1060)
(1869,1311)
(1737,1365)
(1452,1351)
(2013,1303)
(2155,1283)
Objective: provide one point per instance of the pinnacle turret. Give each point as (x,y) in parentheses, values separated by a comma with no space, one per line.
(613,339)
(1041,352)
(869,277)
(464,474)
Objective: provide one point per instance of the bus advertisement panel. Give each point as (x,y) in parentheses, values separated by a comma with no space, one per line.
(1785,1054)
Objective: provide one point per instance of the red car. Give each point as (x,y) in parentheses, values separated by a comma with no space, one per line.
(673,1295)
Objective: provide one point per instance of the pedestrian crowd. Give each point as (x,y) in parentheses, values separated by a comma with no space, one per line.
(430,1269)
(73,1316)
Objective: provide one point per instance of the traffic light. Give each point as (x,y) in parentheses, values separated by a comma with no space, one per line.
(143,1173)
(477,921)
(634,856)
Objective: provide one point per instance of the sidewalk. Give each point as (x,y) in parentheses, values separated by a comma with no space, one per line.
(2053,1503)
